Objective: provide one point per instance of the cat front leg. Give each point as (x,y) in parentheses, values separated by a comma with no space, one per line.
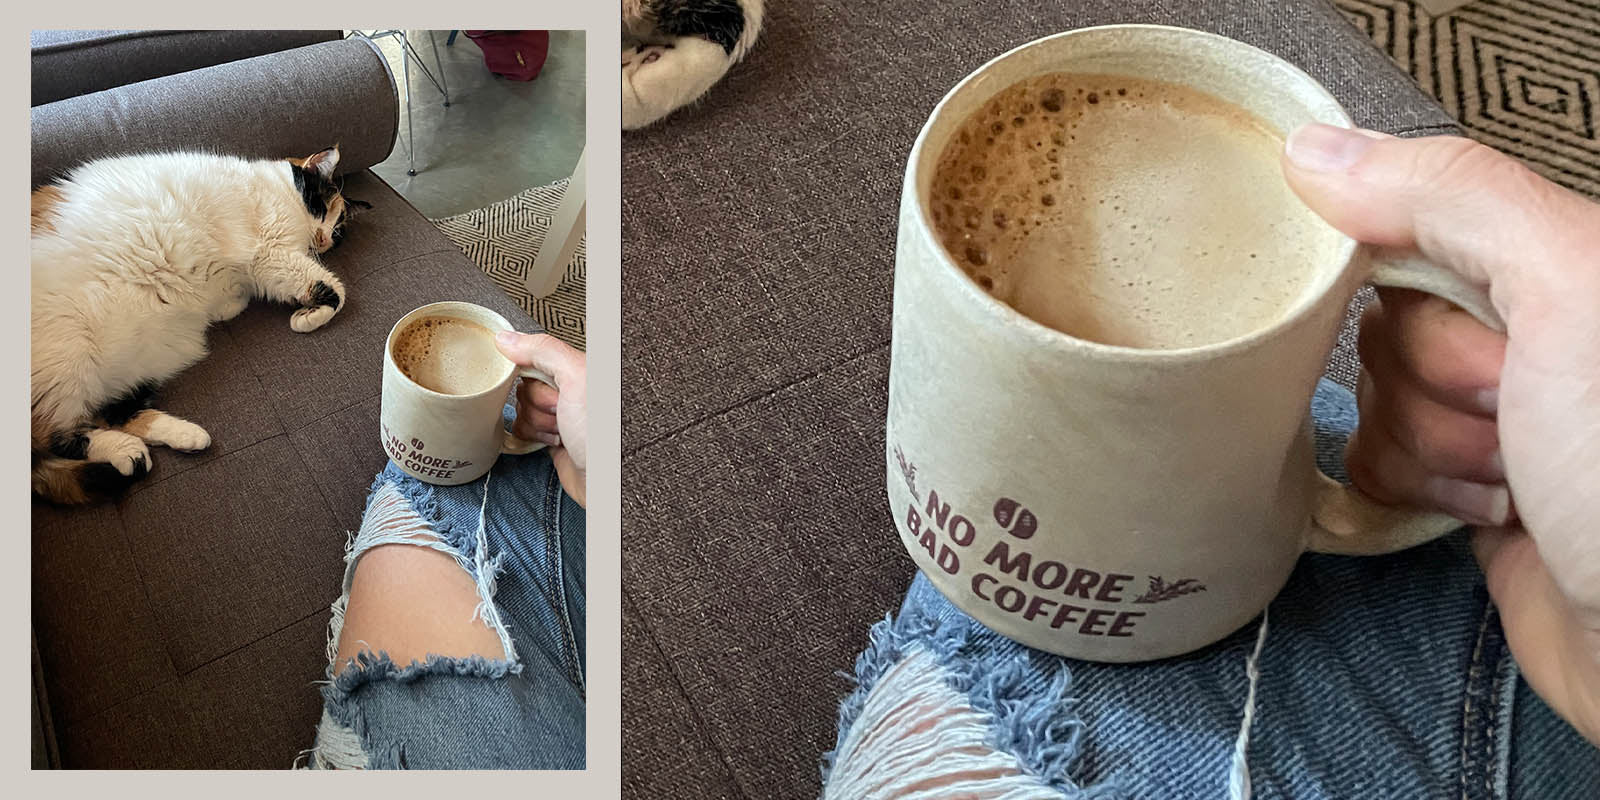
(302,280)
(159,427)
(123,451)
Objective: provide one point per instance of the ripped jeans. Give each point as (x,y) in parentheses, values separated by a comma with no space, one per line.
(1379,677)
(523,711)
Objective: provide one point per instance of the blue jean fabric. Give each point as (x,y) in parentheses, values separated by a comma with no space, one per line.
(1381,677)
(523,712)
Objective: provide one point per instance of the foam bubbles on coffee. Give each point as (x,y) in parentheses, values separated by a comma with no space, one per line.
(1126,211)
(449,355)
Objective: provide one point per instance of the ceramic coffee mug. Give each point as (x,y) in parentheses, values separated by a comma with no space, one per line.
(449,439)
(1111,503)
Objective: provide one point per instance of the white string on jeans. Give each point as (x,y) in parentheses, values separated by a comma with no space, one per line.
(487,569)
(1239,777)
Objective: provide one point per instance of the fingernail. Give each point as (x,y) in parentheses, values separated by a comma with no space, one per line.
(1489,400)
(506,338)
(1473,502)
(1325,148)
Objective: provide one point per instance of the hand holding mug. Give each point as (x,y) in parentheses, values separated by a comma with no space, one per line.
(1462,419)
(556,414)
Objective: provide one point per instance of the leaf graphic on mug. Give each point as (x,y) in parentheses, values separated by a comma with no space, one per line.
(909,471)
(416,444)
(1161,590)
(460,463)
(1013,517)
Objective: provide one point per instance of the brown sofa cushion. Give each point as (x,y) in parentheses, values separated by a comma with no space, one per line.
(758,548)
(184,625)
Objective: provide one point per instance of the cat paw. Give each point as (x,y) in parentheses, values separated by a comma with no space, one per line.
(329,292)
(642,54)
(181,434)
(126,455)
(659,79)
(234,308)
(320,301)
(307,320)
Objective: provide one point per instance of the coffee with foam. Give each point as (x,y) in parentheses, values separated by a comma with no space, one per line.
(450,355)
(1126,211)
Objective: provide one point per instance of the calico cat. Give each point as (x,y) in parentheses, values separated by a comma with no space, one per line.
(133,258)
(673,51)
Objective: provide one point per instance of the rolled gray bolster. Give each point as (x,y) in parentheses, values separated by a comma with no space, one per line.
(68,63)
(286,104)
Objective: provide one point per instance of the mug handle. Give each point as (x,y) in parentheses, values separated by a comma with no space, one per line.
(520,447)
(1344,519)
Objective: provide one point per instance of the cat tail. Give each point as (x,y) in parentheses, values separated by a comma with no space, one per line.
(70,481)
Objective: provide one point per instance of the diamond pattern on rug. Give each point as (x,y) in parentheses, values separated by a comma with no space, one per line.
(504,238)
(1522,76)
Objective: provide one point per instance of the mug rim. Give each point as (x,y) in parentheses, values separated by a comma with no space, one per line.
(1315,293)
(388,343)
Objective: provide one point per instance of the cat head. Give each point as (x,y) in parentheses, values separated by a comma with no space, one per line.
(327,209)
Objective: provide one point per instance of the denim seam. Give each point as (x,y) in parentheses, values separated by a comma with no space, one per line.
(1481,737)
(1042,732)
(1506,674)
(553,542)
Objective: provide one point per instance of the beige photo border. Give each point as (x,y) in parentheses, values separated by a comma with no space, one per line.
(602,778)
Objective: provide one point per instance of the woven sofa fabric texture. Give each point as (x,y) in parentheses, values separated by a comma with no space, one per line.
(758,548)
(290,103)
(68,63)
(184,626)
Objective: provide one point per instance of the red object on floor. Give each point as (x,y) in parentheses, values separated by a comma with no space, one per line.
(518,55)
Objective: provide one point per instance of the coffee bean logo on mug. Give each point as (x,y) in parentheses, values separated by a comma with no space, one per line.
(444,386)
(1110,314)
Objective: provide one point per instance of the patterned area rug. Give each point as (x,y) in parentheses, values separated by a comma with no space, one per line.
(503,239)
(1522,76)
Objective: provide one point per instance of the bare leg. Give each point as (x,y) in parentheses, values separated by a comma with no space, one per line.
(410,600)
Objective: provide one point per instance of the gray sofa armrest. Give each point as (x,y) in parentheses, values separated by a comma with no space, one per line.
(291,103)
(71,63)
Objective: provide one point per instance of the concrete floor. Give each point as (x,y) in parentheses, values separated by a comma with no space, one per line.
(498,136)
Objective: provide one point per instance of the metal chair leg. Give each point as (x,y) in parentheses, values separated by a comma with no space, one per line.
(407,52)
(422,65)
(411,129)
(439,62)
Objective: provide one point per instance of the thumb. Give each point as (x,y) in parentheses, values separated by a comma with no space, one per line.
(541,351)
(1462,204)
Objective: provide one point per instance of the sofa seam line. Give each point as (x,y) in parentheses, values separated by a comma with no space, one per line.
(683,692)
(179,676)
(409,259)
(709,416)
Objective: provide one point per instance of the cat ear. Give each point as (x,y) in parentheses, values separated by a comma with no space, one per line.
(322,163)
